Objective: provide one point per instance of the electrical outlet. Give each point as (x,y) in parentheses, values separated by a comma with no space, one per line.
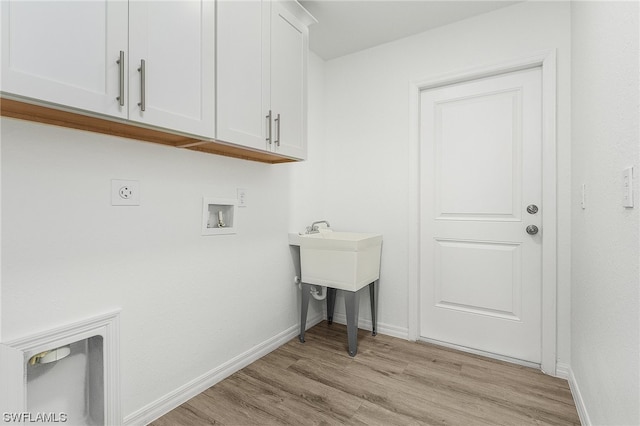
(242,197)
(125,192)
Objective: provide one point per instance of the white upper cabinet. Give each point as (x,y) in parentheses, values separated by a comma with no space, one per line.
(88,54)
(233,71)
(65,52)
(171,65)
(261,75)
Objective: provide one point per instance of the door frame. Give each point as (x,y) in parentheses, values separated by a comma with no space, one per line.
(546,60)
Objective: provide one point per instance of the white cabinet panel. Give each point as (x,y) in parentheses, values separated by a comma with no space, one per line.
(242,34)
(261,75)
(65,52)
(288,81)
(175,39)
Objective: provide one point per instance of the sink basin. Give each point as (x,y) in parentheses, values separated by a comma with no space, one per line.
(342,260)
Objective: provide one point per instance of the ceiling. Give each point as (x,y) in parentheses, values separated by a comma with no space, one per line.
(347,26)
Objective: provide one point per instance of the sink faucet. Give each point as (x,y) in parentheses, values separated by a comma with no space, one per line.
(314,226)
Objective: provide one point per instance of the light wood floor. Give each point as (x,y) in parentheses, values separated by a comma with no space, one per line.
(390,382)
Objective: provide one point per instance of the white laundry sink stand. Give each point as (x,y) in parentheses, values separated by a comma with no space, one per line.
(345,261)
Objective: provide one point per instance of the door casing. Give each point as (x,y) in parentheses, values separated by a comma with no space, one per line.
(546,60)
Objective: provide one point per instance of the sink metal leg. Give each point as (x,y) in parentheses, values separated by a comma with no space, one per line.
(331,303)
(373,293)
(352,305)
(304,307)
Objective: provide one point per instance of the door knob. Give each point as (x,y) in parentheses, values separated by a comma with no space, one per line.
(532,209)
(532,230)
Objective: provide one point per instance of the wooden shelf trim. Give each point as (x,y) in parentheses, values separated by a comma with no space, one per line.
(43,114)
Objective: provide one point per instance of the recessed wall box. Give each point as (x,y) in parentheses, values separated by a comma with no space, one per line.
(219,216)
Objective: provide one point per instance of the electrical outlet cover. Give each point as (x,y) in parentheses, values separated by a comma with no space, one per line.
(627,187)
(242,197)
(125,192)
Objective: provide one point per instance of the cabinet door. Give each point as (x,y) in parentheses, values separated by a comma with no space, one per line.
(65,52)
(289,45)
(175,42)
(242,37)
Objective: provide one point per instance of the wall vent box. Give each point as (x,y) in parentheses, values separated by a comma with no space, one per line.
(79,385)
(219,216)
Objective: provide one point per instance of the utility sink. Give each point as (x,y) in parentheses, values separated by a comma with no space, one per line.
(341,260)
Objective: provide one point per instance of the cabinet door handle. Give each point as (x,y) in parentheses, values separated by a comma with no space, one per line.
(142,104)
(277,120)
(120,62)
(268,117)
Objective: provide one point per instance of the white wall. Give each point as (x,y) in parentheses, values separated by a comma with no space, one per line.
(189,303)
(367,144)
(307,189)
(308,195)
(605,345)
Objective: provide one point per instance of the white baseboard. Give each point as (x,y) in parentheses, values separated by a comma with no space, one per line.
(577,399)
(387,329)
(175,398)
(562,370)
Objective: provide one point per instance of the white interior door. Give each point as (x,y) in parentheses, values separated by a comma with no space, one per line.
(480,270)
